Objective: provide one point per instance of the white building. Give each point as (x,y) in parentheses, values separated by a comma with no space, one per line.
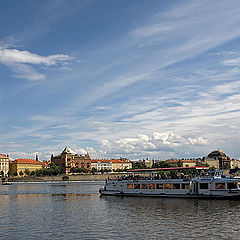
(4,164)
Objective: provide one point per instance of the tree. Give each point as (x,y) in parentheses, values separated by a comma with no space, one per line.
(2,173)
(161,164)
(21,173)
(179,164)
(93,171)
(15,174)
(27,172)
(139,165)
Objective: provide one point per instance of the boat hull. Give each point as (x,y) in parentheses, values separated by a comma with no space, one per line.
(122,194)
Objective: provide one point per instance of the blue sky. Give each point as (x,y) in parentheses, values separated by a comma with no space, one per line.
(137,79)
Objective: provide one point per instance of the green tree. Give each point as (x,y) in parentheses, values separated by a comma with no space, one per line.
(27,172)
(21,173)
(161,164)
(179,164)
(139,165)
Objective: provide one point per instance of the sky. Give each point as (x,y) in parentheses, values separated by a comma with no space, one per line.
(137,79)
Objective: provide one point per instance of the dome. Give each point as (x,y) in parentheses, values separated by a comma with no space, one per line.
(217,154)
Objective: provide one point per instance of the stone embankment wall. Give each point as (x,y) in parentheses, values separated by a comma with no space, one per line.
(79,177)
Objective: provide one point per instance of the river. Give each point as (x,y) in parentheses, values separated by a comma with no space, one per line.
(76,211)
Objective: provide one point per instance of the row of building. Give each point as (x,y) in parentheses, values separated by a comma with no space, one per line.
(68,160)
(217,159)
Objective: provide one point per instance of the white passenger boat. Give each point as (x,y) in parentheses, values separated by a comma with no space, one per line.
(211,184)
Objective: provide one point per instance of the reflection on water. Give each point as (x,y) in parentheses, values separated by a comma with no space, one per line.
(76,211)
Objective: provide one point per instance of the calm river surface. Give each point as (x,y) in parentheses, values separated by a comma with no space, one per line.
(76,211)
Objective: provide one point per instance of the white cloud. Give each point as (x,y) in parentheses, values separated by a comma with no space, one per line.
(232,62)
(149,145)
(21,62)
(16,56)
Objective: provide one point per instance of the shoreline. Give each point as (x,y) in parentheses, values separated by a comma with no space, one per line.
(79,177)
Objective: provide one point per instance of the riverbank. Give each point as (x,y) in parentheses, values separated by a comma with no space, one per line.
(79,177)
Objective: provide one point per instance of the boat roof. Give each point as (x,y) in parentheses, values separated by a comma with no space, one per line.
(168,169)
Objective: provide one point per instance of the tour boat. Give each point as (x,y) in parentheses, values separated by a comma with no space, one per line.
(211,184)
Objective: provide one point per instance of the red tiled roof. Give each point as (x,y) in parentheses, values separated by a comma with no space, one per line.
(108,160)
(3,155)
(27,161)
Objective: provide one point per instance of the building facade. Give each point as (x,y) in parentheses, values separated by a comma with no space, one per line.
(110,164)
(182,163)
(69,159)
(21,165)
(4,164)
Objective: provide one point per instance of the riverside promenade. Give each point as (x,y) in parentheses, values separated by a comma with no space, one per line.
(78,177)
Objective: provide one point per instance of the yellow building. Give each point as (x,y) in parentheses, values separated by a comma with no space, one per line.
(121,164)
(20,165)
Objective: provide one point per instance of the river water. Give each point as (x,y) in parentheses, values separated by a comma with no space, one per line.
(76,211)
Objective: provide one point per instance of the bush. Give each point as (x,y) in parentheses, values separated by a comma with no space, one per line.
(78,170)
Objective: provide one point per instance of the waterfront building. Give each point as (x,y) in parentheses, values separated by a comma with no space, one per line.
(121,164)
(4,164)
(182,163)
(218,159)
(101,165)
(235,163)
(69,159)
(21,165)
(111,164)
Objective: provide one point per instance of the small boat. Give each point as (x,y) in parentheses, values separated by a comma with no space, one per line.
(211,184)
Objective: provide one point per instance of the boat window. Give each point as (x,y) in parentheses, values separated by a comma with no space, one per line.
(220,185)
(176,185)
(144,186)
(152,186)
(130,186)
(137,186)
(203,185)
(159,186)
(167,186)
(185,186)
(231,185)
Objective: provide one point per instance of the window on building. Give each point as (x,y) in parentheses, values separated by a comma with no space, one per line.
(176,185)
(137,186)
(130,186)
(167,186)
(220,185)
(152,186)
(144,186)
(203,185)
(159,186)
